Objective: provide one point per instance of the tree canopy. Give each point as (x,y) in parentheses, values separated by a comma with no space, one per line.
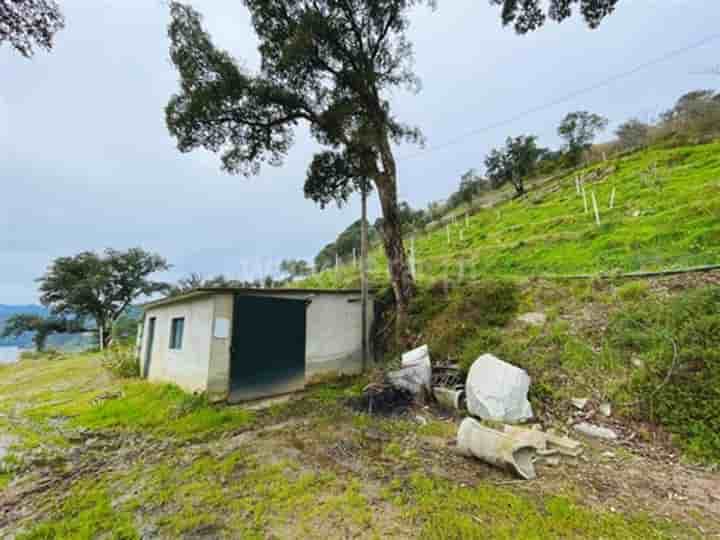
(632,134)
(27,24)
(579,130)
(295,268)
(100,286)
(41,327)
(326,63)
(514,163)
(528,15)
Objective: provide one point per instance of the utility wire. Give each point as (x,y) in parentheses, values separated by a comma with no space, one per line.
(564,98)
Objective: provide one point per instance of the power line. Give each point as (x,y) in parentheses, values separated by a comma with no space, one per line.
(564,98)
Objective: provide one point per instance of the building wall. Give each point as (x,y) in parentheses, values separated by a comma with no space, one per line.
(219,369)
(334,335)
(189,366)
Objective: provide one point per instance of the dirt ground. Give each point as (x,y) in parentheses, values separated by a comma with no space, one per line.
(624,477)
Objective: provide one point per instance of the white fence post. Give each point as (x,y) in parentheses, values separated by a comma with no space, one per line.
(612,199)
(585,202)
(595,207)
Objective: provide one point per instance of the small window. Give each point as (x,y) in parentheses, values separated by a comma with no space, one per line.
(177,328)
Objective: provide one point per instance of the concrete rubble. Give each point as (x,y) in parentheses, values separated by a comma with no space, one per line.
(533,319)
(598,432)
(505,450)
(416,371)
(498,391)
(494,391)
(579,403)
(605,409)
(515,448)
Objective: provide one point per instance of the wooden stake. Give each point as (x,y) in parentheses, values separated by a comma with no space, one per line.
(447,229)
(595,207)
(612,199)
(585,202)
(467,220)
(577,184)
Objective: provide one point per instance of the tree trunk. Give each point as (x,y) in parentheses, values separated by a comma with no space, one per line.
(401,279)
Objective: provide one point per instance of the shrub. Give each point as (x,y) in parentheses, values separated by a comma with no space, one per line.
(121,361)
(447,322)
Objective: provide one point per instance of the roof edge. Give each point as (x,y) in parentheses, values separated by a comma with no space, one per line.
(209,291)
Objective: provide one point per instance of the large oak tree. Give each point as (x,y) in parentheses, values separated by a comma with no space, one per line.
(330,64)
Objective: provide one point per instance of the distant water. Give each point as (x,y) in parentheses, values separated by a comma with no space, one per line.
(9,355)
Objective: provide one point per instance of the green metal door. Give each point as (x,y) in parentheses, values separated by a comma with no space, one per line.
(268,347)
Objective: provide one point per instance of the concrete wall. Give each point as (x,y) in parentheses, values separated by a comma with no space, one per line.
(334,335)
(187,367)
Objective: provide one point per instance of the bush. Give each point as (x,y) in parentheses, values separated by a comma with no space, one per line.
(447,322)
(122,362)
(679,340)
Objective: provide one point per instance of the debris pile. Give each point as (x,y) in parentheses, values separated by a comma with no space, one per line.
(493,391)
(383,400)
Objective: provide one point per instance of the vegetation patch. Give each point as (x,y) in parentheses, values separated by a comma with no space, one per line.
(443,511)
(678,341)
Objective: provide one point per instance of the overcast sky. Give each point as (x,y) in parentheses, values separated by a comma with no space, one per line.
(86,161)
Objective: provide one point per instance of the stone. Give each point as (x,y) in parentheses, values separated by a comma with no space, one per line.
(598,432)
(533,319)
(639,364)
(496,390)
(579,403)
(606,409)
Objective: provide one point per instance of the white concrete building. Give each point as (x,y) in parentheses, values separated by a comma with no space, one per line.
(243,344)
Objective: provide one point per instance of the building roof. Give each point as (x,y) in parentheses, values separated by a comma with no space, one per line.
(209,291)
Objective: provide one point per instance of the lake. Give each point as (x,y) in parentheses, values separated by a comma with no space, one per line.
(9,355)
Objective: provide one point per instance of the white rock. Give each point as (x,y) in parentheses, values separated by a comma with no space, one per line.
(595,431)
(416,371)
(533,319)
(498,391)
(579,403)
(606,409)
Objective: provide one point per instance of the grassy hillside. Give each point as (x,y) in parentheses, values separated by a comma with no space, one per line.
(665,215)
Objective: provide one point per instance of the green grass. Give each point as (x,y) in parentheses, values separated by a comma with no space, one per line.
(657,223)
(445,511)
